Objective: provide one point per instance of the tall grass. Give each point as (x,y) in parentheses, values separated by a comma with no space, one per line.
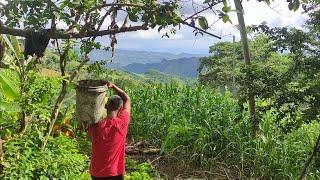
(202,127)
(159,108)
(282,155)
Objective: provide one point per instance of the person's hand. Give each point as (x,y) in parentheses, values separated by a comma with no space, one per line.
(105,83)
(110,84)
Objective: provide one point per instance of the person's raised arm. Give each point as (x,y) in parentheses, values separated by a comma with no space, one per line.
(123,95)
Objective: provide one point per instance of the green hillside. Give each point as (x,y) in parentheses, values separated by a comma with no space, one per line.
(126,57)
(249,110)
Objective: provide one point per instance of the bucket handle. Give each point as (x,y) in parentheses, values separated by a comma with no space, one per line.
(100,89)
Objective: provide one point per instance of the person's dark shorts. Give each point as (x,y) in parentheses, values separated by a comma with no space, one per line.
(120,177)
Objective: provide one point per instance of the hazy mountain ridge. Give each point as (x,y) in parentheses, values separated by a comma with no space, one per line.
(126,57)
(183,67)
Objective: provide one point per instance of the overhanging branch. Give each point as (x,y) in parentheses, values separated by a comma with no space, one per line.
(199,29)
(115,4)
(59,34)
(196,13)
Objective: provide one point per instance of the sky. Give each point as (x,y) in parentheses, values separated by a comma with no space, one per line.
(184,40)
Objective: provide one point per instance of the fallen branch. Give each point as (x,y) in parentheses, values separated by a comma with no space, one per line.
(145,151)
(140,148)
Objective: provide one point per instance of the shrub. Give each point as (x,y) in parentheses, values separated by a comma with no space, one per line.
(142,171)
(280,155)
(201,127)
(60,159)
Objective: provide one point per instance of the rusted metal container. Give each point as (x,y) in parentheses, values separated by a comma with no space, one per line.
(90,100)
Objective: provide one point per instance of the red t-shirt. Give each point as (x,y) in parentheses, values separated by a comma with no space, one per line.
(108,146)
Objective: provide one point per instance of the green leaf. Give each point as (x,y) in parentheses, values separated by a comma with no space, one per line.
(9,106)
(267,1)
(225,4)
(16,45)
(226,9)
(7,89)
(13,44)
(296,5)
(225,18)
(133,17)
(203,22)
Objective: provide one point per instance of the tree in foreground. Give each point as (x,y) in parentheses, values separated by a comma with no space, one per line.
(40,21)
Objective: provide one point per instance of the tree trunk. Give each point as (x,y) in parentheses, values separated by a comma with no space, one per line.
(55,112)
(316,150)
(65,84)
(23,118)
(59,101)
(63,92)
(246,56)
(1,155)
(23,122)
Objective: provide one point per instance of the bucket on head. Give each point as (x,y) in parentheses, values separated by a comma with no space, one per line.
(90,102)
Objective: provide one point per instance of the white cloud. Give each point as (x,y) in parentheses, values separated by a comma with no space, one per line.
(153,34)
(184,40)
(277,14)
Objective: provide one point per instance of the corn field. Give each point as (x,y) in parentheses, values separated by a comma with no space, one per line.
(206,128)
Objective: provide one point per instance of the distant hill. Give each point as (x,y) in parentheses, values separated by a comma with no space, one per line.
(156,76)
(126,57)
(183,67)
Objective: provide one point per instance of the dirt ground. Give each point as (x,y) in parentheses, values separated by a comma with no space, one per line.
(171,168)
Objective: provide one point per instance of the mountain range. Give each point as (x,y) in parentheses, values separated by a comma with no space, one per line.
(183,65)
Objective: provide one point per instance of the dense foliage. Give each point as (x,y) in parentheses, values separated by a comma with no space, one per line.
(288,81)
(169,106)
(61,159)
(201,127)
(197,125)
(204,126)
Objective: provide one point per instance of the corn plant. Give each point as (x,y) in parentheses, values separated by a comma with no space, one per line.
(201,127)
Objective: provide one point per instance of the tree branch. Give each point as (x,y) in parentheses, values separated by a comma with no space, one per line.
(209,7)
(199,29)
(313,154)
(115,4)
(59,34)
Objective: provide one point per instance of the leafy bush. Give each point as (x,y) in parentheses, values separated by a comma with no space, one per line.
(42,91)
(9,95)
(60,159)
(142,171)
(282,155)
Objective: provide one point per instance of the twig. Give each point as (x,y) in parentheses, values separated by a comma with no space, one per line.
(199,29)
(115,4)
(226,173)
(209,7)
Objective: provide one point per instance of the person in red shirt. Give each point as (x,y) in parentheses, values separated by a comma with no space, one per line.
(108,137)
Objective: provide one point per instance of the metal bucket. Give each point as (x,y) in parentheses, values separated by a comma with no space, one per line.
(90,100)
